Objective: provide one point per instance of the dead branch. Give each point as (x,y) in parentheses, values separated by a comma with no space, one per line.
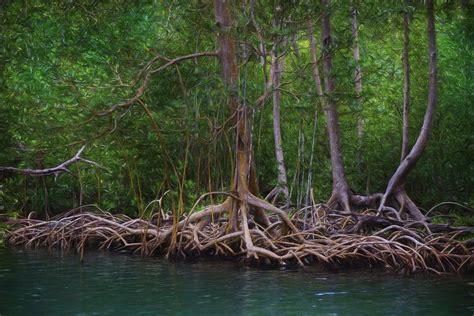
(54,170)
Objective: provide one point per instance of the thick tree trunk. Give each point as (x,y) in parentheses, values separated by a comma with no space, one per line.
(277,71)
(358,85)
(245,180)
(341,191)
(230,75)
(415,153)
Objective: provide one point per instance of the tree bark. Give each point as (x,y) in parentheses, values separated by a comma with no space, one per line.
(276,73)
(340,190)
(415,153)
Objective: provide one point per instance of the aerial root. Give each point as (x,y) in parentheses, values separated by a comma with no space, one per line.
(331,238)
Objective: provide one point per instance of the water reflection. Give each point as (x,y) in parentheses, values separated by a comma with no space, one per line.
(42,283)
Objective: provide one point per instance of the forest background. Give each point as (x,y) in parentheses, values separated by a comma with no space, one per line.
(63,63)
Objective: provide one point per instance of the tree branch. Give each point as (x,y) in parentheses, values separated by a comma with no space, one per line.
(148,72)
(54,170)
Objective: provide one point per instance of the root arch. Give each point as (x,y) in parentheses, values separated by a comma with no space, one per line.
(329,237)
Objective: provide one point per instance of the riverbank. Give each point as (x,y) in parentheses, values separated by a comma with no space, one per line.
(325,237)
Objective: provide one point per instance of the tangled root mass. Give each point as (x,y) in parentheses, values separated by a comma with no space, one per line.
(318,236)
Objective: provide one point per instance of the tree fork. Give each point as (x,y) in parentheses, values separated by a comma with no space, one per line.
(415,153)
(402,198)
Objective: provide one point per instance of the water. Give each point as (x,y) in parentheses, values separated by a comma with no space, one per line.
(38,283)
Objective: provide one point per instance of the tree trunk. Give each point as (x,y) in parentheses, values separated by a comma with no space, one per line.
(319,90)
(358,86)
(276,73)
(314,65)
(245,180)
(415,153)
(406,84)
(230,75)
(402,198)
(340,187)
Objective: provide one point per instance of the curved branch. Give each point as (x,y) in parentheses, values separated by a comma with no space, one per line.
(141,90)
(54,170)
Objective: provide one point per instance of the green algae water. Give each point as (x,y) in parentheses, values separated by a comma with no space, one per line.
(42,283)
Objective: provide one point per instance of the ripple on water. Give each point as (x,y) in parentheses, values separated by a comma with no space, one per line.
(330,293)
(48,283)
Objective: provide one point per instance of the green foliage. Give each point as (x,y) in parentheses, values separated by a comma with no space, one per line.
(61,62)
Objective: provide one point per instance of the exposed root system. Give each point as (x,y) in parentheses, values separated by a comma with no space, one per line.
(313,235)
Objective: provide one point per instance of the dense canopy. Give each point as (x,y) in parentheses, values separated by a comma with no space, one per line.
(65,62)
(278,132)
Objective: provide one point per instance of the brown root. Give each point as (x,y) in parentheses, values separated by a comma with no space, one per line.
(401,206)
(325,236)
(408,206)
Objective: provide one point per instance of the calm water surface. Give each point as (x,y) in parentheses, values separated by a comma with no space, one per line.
(41,283)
